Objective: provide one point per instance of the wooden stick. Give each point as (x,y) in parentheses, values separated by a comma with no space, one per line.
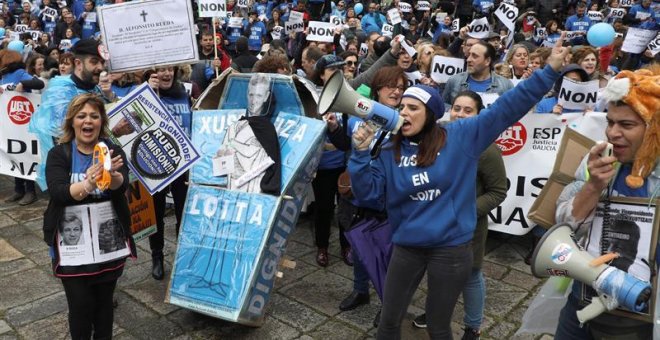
(215,44)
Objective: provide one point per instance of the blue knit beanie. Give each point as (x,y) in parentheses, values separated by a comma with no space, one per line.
(429,96)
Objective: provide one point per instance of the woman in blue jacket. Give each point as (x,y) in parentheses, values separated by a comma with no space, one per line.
(426,175)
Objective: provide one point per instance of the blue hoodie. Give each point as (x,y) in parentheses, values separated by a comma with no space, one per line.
(435,206)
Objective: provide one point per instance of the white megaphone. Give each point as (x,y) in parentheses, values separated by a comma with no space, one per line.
(338,96)
(557,254)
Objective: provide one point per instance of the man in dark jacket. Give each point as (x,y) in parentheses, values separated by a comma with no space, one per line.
(68,21)
(244,60)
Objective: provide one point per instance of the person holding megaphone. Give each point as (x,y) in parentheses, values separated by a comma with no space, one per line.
(426,175)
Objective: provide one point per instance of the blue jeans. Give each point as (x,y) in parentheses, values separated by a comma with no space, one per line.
(474,296)
(448,269)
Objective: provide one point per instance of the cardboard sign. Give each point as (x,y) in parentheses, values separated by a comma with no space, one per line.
(637,39)
(321,31)
(143,215)
(19,150)
(235,22)
(156,144)
(443,68)
(577,95)
(388,30)
(455,25)
(617,13)
(507,14)
(212,8)
(423,6)
(166,25)
(405,7)
(395,18)
(479,28)
(654,45)
(596,16)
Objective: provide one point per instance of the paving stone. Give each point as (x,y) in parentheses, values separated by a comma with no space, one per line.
(511,255)
(152,294)
(7,252)
(502,298)
(6,220)
(134,273)
(305,337)
(524,336)
(191,321)
(4,327)
(52,327)
(294,313)
(37,310)
(42,259)
(8,336)
(303,234)
(294,275)
(339,267)
(29,243)
(131,314)
(35,284)
(321,291)
(296,249)
(493,270)
(335,330)
(160,328)
(124,336)
(361,317)
(271,329)
(546,337)
(522,279)
(35,227)
(27,213)
(12,231)
(502,330)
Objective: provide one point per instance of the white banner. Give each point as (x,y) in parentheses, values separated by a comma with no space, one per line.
(405,7)
(654,45)
(535,140)
(212,8)
(444,67)
(320,31)
(19,150)
(479,28)
(395,18)
(147,34)
(423,6)
(235,22)
(455,25)
(637,39)
(388,30)
(595,16)
(507,15)
(577,95)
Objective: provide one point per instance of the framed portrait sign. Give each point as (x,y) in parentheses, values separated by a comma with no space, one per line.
(629,227)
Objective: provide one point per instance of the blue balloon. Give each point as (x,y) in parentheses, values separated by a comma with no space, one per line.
(601,34)
(16,46)
(358,8)
(2,32)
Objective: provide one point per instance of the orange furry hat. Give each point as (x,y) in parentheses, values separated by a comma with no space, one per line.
(641,91)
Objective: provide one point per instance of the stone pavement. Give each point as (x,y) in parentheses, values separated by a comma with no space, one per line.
(302,306)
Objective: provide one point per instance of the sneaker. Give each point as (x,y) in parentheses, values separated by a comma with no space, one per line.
(471,334)
(322,257)
(15,197)
(420,321)
(29,198)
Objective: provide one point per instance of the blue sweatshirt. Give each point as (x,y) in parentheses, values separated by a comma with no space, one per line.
(179,108)
(435,206)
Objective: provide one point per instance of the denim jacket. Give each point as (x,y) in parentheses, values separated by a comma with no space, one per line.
(458,83)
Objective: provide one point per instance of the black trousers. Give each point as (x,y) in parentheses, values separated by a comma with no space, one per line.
(179,189)
(90,306)
(325,191)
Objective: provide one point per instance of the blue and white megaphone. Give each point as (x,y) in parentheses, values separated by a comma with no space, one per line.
(557,254)
(338,96)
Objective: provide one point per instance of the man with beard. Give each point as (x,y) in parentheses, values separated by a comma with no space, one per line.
(46,121)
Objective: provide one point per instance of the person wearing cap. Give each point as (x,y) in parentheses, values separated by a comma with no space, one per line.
(633,170)
(87,77)
(426,175)
(255,31)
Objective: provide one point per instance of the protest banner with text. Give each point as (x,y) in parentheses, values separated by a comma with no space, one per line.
(19,149)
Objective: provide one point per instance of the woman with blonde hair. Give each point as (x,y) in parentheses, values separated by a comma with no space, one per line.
(518,61)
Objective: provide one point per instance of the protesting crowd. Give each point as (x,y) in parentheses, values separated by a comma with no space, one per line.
(459,73)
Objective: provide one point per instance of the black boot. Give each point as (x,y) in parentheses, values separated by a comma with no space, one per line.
(157,270)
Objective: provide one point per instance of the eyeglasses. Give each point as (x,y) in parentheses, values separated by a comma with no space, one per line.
(351,63)
(395,87)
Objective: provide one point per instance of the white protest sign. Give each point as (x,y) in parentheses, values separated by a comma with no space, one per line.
(148,34)
(61,3)
(488,98)
(65,44)
(395,18)
(20,28)
(637,39)
(444,67)
(157,146)
(292,27)
(455,25)
(212,8)
(19,149)
(414,78)
(540,33)
(626,3)
(243,3)
(90,16)
(35,35)
(295,16)
(388,30)
(337,21)
(595,16)
(277,32)
(573,34)
(409,49)
(50,12)
(364,49)
(423,6)
(642,15)
(235,22)
(577,95)
(507,15)
(617,13)
(654,45)
(320,31)
(535,139)
(405,7)
(479,28)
